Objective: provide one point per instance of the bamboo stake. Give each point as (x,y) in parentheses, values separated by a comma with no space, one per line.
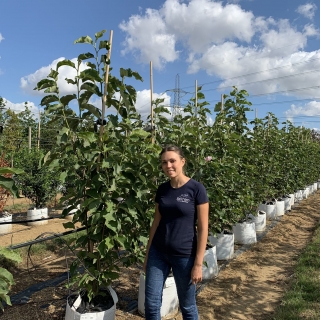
(222,106)
(151,102)
(106,79)
(39,130)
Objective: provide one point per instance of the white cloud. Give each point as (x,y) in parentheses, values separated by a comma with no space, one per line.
(1,37)
(29,82)
(18,107)
(226,41)
(311,108)
(307,10)
(149,33)
(154,36)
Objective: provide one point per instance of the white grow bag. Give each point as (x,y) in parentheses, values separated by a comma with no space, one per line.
(211,269)
(262,206)
(170,302)
(315,187)
(110,314)
(6,228)
(260,220)
(279,208)
(305,193)
(34,214)
(271,211)
(287,203)
(245,232)
(291,195)
(224,243)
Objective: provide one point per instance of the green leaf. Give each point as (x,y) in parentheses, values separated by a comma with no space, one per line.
(9,185)
(137,76)
(10,254)
(45,83)
(88,136)
(65,62)
(5,170)
(6,275)
(52,108)
(54,89)
(85,56)
(139,133)
(91,87)
(53,74)
(92,109)
(91,65)
(85,39)
(71,81)
(91,74)
(103,44)
(63,176)
(69,225)
(48,99)
(67,98)
(99,34)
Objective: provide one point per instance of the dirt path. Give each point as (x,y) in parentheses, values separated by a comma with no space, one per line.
(250,287)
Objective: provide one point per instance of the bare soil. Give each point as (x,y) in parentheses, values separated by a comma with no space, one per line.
(250,287)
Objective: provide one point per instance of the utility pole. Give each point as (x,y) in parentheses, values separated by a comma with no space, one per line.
(176,109)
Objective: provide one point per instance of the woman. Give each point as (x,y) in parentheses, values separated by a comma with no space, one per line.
(174,240)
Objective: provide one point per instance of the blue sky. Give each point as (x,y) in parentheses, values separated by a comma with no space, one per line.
(270,48)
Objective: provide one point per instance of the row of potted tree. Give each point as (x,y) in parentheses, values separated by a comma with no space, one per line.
(110,166)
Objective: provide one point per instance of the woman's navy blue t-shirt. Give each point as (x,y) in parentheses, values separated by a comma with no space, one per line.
(176,232)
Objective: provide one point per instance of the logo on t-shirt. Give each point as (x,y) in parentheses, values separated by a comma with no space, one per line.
(183,198)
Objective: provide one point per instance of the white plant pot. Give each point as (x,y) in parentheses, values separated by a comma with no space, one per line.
(310,186)
(287,204)
(318,185)
(305,193)
(170,302)
(279,208)
(245,232)
(260,220)
(224,243)
(315,186)
(271,211)
(291,195)
(300,194)
(34,214)
(110,314)
(211,269)
(262,207)
(6,228)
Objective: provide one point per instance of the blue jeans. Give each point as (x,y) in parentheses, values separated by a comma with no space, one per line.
(158,268)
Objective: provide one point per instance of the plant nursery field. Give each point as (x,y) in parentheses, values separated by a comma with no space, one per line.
(250,287)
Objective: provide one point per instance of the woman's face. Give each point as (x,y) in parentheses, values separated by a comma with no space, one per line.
(172,164)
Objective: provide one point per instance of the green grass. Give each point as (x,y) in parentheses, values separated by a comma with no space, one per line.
(302,301)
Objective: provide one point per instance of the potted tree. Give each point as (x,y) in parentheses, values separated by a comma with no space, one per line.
(112,170)
(37,183)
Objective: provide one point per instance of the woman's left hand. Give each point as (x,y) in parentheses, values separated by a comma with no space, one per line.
(196,274)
